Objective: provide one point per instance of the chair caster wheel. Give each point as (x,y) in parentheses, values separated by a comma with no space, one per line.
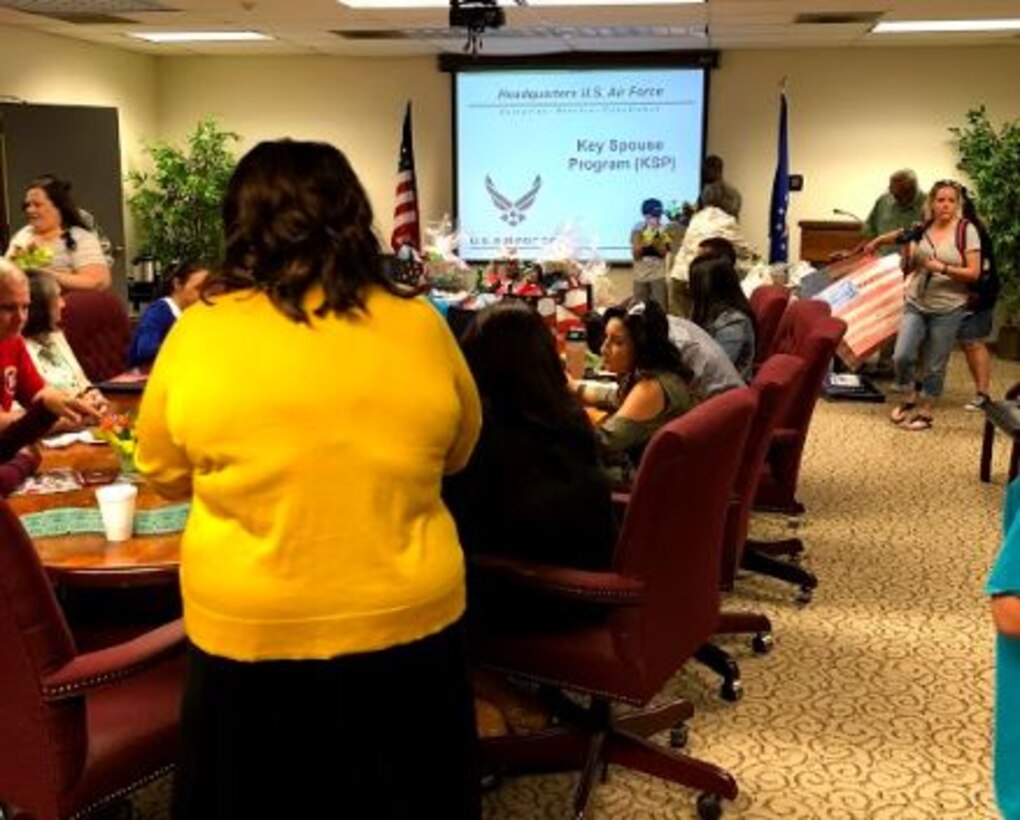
(709,807)
(805,595)
(732,691)
(762,643)
(678,736)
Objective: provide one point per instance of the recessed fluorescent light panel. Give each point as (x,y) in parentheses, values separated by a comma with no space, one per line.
(199,36)
(440,4)
(944,26)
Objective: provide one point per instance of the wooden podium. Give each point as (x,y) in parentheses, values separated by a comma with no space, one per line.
(821,238)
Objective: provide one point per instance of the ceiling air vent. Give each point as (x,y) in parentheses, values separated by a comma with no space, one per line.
(837,18)
(518,32)
(85,11)
(372,34)
(87,18)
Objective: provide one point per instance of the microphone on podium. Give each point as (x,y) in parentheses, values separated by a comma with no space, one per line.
(841,212)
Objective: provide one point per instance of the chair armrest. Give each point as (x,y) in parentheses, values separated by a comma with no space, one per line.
(95,669)
(609,588)
(785,436)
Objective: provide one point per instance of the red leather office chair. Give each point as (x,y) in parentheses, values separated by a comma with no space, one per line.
(778,485)
(777,482)
(620,635)
(98,329)
(775,384)
(768,302)
(77,732)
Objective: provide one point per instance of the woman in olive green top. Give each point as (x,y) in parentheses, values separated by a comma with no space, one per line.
(651,387)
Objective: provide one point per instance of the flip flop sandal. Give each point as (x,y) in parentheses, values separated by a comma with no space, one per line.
(901,412)
(919,422)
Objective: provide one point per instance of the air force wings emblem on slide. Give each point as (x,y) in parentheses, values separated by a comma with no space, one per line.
(513,211)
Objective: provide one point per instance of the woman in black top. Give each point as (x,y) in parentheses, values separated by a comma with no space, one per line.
(533,488)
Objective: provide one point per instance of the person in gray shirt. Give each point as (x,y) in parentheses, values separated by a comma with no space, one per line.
(711,369)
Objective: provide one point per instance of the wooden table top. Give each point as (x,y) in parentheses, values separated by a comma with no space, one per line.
(89,559)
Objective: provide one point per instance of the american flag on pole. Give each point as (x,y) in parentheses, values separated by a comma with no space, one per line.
(405,211)
(779,234)
(869,298)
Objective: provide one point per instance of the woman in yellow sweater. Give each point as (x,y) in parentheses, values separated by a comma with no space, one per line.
(309,409)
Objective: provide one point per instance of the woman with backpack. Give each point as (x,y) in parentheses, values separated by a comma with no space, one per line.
(977,321)
(940,265)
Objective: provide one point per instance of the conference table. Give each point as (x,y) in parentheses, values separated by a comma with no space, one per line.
(89,559)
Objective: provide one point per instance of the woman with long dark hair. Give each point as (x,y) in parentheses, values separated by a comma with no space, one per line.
(309,408)
(55,224)
(534,487)
(721,308)
(651,386)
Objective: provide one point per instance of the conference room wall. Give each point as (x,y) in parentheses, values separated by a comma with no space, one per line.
(856,115)
(355,103)
(48,69)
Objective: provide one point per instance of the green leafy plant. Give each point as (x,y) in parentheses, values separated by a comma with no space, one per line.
(176,205)
(991,158)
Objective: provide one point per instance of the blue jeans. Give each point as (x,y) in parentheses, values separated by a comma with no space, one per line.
(937,332)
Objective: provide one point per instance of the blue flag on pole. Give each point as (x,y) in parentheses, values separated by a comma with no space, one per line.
(779,237)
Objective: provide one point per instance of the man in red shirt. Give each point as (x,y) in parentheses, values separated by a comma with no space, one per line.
(19,380)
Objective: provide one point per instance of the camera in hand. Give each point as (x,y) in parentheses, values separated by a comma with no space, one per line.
(911,234)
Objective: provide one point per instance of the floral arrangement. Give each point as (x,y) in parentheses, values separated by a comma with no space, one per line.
(32,257)
(444,269)
(118,430)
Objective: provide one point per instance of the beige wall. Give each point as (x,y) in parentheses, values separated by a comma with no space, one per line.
(41,68)
(357,104)
(856,115)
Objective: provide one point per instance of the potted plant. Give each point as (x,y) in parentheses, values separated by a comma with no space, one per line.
(176,205)
(991,158)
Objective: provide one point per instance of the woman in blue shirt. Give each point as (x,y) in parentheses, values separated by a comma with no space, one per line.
(720,307)
(1004,587)
(184,287)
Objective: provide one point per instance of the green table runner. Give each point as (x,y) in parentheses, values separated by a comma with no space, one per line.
(80,520)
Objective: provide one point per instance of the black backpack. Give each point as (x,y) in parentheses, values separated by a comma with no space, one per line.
(984,290)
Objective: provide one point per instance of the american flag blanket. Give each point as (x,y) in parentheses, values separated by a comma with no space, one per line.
(869,298)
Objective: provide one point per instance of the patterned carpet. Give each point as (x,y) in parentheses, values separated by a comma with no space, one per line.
(876,700)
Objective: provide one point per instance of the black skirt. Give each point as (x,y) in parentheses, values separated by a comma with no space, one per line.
(387,735)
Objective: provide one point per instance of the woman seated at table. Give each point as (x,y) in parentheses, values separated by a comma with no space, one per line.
(50,351)
(651,386)
(183,289)
(533,487)
(56,224)
(720,307)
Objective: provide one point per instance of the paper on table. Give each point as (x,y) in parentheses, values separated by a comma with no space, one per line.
(67,439)
(59,480)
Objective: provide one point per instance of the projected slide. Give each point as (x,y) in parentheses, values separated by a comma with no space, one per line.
(540,151)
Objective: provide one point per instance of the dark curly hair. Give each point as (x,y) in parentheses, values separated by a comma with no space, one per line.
(59,193)
(295,216)
(648,329)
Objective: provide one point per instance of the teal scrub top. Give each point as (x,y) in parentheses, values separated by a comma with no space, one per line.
(1005,580)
